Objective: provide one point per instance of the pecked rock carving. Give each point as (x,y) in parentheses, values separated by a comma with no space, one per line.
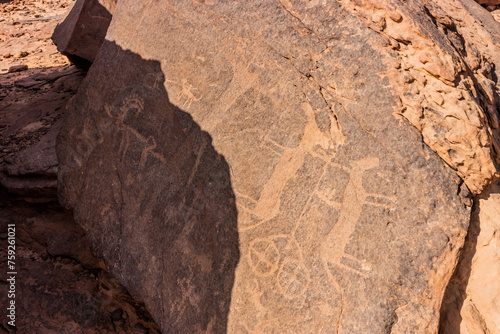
(182,228)
(248,167)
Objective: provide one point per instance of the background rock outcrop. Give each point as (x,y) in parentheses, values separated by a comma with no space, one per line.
(82,32)
(29,124)
(244,166)
(61,287)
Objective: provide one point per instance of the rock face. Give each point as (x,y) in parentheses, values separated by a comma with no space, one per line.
(82,32)
(446,80)
(271,166)
(471,303)
(171,218)
(59,283)
(29,124)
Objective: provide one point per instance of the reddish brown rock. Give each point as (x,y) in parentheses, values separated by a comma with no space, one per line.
(82,32)
(18,68)
(445,70)
(488,2)
(59,284)
(29,124)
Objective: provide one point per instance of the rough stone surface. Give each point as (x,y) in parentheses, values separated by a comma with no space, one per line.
(488,2)
(82,32)
(30,119)
(472,300)
(447,81)
(60,286)
(243,167)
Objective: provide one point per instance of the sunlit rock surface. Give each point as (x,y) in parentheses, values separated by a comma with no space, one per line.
(280,166)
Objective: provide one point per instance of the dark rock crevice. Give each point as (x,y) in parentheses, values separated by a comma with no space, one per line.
(455,294)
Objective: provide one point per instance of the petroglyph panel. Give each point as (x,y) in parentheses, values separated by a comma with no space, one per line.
(154,184)
(284,182)
(315,230)
(293,278)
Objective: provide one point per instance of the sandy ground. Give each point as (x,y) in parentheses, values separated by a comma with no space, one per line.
(32,100)
(25,31)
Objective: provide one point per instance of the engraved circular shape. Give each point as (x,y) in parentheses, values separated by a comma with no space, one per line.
(263,256)
(293,278)
(130,102)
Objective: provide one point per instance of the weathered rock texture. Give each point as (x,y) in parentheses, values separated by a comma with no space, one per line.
(472,300)
(488,2)
(60,287)
(250,166)
(446,75)
(82,32)
(31,108)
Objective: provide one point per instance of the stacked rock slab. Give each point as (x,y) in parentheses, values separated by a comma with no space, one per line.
(243,167)
(82,32)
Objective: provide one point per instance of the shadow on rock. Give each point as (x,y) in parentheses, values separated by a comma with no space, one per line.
(470,298)
(59,286)
(151,192)
(455,294)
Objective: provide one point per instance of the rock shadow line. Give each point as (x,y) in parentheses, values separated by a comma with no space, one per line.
(152,193)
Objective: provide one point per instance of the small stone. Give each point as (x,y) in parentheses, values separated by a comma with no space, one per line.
(6,55)
(18,68)
(21,54)
(395,16)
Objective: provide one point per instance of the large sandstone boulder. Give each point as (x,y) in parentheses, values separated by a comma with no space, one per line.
(275,167)
(82,32)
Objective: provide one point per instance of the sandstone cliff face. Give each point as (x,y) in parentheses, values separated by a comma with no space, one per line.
(251,167)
